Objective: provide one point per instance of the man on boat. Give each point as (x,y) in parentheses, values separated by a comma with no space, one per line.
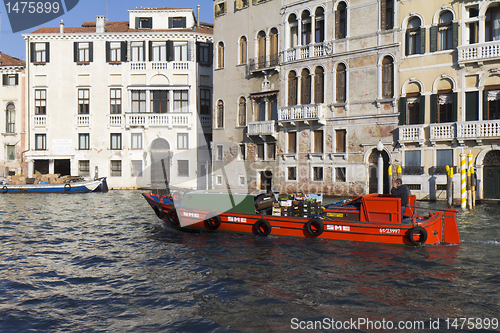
(401,191)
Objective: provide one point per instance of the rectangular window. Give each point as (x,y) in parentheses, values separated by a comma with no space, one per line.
(10,79)
(218,180)
(10,119)
(145,23)
(137,51)
(116,141)
(182,141)
(204,53)
(181,101)
(159,50)
(183,168)
(159,101)
(115,52)
(83,101)
(318,141)
(205,104)
(242,151)
(84,168)
(292,142)
(241,180)
(271,151)
(11,152)
(136,168)
(115,97)
(340,141)
(116,168)
(220,150)
(260,151)
(178,22)
(40,101)
(40,142)
(180,52)
(292,173)
(139,101)
(412,158)
(84,141)
(318,174)
(444,157)
(40,52)
(83,52)
(136,141)
(340,175)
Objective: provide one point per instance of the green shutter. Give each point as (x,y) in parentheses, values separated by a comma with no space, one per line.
(455,35)
(454,108)
(485,104)
(47,52)
(422,40)
(108,51)
(421,114)
(183,20)
(170,22)
(433,37)
(137,22)
(75,51)
(402,111)
(123,50)
(471,106)
(170,50)
(32,52)
(91,51)
(434,107)
(5,79)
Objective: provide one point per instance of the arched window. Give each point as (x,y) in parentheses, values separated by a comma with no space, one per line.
(243,50)
(387,77)
(261,40)
(445,31)
(412,107)
(413,36)
(319,85)
(220,55)
(242,111)
(341,21)
(220,114)
(306,27)
(492,23)
(10,118)
(274,47)
(387,14)
(293,25)
(305,87)
(292,88)
(341,83)
(319,27)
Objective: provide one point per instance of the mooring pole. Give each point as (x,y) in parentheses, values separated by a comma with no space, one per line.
(473,186)
(469,194)
(463,181)
(449,187)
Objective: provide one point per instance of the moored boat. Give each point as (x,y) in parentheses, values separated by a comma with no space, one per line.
(98,185)
(368,218)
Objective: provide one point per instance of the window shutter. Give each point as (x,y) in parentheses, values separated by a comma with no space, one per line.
(434,38)
(144,50)
(150,19)
(422,40)
(5,79)
(471,106)
(170,22)
(170,50)
(197,51)
(402,111)
(292,91)
(183,22)
(32,52)
(454,108)
(455,35)
(108,51)
(16,79)
(75,51)
(318,88)
(383,20)
(210,53)
(337,24)
(123,50)
(485,105)
(150,50)
(47,52)
(137,23)
(91,51)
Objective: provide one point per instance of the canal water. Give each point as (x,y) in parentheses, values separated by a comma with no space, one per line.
(103,262)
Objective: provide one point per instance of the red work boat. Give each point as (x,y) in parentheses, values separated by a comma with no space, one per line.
(369,218)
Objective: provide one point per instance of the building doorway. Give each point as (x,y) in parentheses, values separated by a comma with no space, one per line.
(62,167)
(160,163)
(266,180)
(491,175)
(41,166)
(373,171)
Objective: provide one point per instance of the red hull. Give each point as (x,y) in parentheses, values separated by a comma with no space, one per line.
(379,225)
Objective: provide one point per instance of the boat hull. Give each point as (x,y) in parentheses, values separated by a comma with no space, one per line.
(428,230)
(76,187)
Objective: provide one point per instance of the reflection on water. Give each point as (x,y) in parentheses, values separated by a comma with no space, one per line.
(103,262)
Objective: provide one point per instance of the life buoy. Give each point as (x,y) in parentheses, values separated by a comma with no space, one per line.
(159,211)
(172,217)
(417,230)
(262,227)
(67,187)
(315,227)
(213,221)
(4,189)
(177,196)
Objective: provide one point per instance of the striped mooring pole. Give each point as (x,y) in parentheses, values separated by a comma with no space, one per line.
(463,180)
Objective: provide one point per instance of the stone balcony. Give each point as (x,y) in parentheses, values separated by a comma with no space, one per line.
(478,53)
(163,65)
(261,128)
(39,121)
(302,113)
(447,132)
(146,120)
(304,52)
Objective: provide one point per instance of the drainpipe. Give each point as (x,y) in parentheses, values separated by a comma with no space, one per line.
(198,16)
(28,108)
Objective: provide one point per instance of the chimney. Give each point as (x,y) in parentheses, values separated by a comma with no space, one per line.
(198,16)
(99,24)
(61,27)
